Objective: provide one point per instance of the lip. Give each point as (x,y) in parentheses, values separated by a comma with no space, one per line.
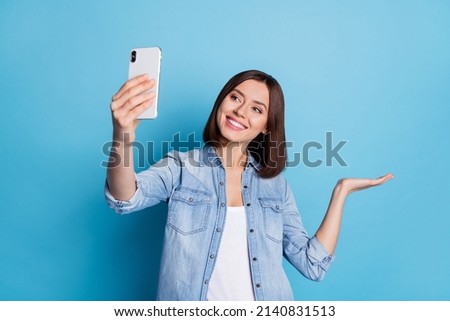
(234,124)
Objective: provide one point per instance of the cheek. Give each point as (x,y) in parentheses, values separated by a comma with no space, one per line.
(224,107)
(219,115)
(260,123)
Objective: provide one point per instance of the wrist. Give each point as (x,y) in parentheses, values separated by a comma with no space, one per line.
(341,189)
(123,138)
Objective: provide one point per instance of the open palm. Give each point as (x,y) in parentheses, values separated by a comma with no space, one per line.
(351,185)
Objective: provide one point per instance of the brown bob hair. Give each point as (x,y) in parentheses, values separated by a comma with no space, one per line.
(269,149)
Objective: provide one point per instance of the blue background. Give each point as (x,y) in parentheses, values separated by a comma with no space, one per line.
(374,73)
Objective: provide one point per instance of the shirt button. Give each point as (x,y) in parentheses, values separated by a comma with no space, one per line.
(191,199)
(248,204)
(221,183)
(245,186)
(206,282)
(252,230)
(277,207)
(258,285)
(255,259)
(222,204)
(211,256)
(218,230)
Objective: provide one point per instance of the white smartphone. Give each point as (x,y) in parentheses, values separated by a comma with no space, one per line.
(146,61)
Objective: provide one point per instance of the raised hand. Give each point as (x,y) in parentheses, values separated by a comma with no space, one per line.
(350,185)
(128,103)
(328,231)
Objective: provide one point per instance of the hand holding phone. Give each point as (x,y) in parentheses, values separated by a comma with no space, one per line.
(133,98)
(147,61)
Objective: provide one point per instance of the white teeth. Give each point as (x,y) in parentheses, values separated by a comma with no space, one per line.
(235,123)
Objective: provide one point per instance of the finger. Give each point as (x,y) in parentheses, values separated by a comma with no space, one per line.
(131,93)
(135,101)
(131,116)
(125,116)
(387,177)
(383,179)
(136,111)
(135,90)
(128,84)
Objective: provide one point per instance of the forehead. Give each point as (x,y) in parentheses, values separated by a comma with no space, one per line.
(254,90)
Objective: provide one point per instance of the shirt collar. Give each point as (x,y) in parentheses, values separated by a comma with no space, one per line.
(208,157)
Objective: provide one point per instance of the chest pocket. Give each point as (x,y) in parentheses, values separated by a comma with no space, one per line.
(273,218)
(189,210)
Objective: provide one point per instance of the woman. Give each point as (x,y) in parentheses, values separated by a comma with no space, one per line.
(232,217)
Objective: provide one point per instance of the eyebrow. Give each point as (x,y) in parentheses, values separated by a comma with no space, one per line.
(255,101)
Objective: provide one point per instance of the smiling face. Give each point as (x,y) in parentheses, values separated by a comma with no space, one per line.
(250,103)
(243,113)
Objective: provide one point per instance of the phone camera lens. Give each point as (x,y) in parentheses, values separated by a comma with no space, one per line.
(133,56)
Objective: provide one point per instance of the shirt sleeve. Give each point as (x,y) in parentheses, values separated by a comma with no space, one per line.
(305,253)
(152,186)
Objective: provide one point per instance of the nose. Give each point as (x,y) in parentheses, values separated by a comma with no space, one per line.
(240,111)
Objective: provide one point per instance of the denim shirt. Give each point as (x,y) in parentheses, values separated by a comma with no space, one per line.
(193,184)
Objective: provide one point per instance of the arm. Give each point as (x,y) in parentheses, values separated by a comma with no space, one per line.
(328,231)
(126,105)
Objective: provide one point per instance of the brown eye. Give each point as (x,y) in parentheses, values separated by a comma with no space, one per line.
(258,110)
(234,98)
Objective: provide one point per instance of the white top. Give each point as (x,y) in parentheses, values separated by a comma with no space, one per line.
(231,279)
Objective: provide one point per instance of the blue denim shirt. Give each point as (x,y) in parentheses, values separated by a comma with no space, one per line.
(193,184)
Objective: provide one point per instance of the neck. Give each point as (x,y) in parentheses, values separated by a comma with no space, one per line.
(233,154)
